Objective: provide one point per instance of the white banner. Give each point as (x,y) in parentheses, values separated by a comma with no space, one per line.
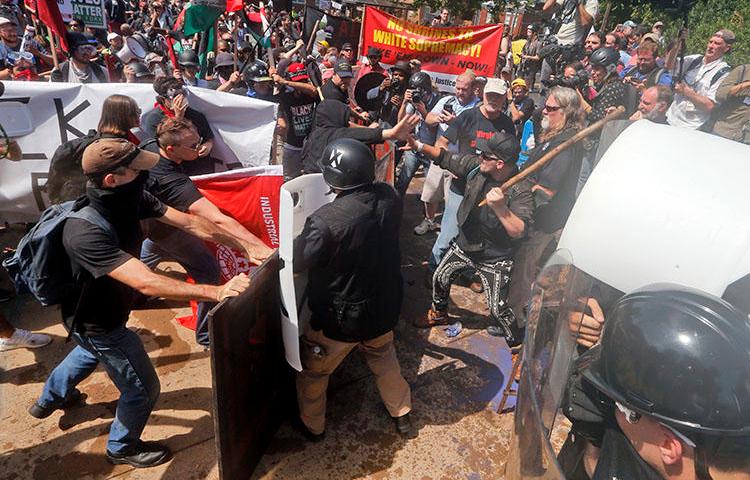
(243,128)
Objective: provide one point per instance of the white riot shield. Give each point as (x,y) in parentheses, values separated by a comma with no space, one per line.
(299,198)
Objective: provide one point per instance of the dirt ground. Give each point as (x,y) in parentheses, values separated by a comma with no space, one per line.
(456,387)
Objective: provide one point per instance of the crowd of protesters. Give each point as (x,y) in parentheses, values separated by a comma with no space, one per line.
(466,143)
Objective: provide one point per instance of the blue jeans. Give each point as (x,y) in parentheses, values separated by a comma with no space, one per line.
(194,256)
(122,355)
(410,165)
(448,228)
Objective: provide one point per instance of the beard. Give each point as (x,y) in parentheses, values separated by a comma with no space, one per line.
(545,123)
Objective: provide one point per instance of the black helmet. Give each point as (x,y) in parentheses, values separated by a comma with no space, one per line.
(257,72)
(140,69)
(678,355)
(421,80)
(188,58)
(604,57)
(347,164)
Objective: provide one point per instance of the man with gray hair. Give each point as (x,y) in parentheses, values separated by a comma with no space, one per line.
(701,75)
(655,102)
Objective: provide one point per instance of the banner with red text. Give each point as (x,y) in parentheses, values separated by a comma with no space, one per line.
(250,196)
(445,52)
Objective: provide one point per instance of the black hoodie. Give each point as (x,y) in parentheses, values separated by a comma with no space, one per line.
(331,123)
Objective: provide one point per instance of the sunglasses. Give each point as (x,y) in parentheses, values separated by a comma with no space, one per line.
(551,108)
(194,147)
(488,157)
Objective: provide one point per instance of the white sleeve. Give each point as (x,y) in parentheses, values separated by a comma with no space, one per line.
(438,108)
(592,8)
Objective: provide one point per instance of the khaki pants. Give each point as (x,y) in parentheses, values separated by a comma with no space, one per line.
(319,364)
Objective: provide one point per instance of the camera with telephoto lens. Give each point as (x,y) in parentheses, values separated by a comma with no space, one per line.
(576,82)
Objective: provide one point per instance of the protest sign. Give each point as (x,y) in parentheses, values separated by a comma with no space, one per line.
(243,129)
(90,12)
(445,53)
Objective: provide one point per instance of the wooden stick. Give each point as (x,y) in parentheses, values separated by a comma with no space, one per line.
(312,37)
(534,167)
(53,47)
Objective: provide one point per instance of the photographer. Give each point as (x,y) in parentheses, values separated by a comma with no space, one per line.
(571,21)
(419,98)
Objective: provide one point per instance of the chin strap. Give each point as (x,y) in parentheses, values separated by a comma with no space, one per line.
(701,465)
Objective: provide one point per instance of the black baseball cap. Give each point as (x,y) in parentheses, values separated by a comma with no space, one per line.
(502,145)
(346,46)
(343,69)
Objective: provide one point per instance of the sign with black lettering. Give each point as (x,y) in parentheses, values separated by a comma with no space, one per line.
(90,12)
(60,112)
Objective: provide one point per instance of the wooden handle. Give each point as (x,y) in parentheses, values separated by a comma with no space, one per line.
(534,167)
(312,37)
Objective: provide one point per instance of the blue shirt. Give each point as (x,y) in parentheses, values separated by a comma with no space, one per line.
(664,79)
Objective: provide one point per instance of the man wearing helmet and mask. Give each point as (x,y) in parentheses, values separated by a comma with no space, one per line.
(187,71)
(671,379)
(350,248)
(419,98)
(611,92)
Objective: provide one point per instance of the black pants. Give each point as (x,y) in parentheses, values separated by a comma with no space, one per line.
(495,279)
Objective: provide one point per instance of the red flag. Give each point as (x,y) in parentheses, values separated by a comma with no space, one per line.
(234,5)
(49,14)
(250,196)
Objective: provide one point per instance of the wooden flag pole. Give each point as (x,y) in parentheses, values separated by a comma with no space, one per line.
(595,127)
(53,46)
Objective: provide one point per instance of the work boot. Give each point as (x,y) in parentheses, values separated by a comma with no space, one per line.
(143,455)
(432,318)
(40,412)
(404,426)
(427,225)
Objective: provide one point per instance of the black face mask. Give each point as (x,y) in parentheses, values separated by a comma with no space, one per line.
(119,205)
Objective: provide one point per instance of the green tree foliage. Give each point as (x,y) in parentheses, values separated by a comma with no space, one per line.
(704,18)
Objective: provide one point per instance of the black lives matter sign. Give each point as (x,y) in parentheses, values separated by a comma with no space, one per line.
(90,12)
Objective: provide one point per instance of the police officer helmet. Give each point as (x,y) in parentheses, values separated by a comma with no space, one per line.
(347,164)
(188,58)
(678,355)
(421,80)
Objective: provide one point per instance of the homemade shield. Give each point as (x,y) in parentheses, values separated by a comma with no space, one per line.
(299,198)
(663,205)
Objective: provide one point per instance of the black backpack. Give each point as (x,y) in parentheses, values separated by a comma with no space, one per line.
(66,180)
(40,264)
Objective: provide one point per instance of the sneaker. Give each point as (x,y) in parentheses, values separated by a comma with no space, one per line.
(432,318)
(427,225)
(24,339)
(143,455)
(40,412)
(404,426)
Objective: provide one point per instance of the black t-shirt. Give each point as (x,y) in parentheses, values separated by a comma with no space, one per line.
(483,236)
(470,126)
(332,92)
(299,111)
(105,303)
(151,120)
(169,183)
